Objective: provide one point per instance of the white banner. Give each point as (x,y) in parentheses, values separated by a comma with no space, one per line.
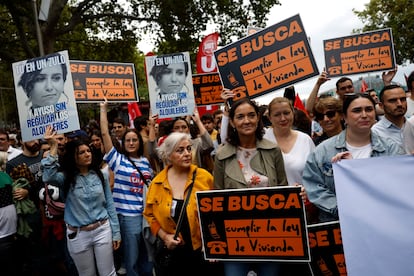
(376,210)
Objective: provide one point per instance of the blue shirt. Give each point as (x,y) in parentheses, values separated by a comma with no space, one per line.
(88,201)
(387,129)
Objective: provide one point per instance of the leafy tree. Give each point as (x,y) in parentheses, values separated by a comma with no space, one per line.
(109,30)
(397,15)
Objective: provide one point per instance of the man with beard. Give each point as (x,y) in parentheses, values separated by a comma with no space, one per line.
(27,165)
(394,103)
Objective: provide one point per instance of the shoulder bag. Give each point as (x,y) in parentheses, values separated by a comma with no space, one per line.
(163,256)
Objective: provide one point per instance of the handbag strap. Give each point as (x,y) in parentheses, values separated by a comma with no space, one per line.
(139,171)
(183,209)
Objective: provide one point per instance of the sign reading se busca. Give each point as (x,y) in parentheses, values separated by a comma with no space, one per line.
(361,53)
(207,89)
(95,81)
(272,58)
(254,224)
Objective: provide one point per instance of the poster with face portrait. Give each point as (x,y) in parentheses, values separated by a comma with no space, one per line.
(170,85)
(44,93)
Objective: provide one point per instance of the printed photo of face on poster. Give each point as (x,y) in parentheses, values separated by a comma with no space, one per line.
(44,93)
(170,84)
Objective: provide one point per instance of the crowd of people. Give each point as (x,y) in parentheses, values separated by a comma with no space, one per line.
(88,202)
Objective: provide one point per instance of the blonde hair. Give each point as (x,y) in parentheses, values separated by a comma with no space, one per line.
(3,160)
(280,100)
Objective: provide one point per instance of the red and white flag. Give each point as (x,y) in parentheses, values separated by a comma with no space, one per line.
(205,56)
(133,112)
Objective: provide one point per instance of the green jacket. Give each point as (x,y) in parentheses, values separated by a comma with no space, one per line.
(268,161)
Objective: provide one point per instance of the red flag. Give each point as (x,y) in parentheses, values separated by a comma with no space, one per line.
(207,109)
(299,104)
(205,59)
(364,86)
(133,112)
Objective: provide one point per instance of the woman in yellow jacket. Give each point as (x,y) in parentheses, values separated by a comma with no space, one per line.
(164,202)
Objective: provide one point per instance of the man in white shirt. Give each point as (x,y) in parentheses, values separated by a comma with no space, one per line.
(5,145)
(410,99)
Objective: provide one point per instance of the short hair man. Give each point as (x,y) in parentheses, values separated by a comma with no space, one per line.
(394,103)
(6,147)
(119,128)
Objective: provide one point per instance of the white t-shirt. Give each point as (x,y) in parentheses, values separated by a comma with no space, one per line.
(410,108)
(295,159)
(408,134)
(360,152)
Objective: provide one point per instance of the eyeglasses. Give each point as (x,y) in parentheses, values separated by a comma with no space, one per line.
(320,116)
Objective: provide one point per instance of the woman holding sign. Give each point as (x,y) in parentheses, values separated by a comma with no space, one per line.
(131,172)
(356,141)
(248,161)
(167,206)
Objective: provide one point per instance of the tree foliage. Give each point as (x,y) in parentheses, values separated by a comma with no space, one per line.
(397,15)
(109,30)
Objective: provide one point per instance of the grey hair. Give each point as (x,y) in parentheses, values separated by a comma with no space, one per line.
(3,160)
(170,144)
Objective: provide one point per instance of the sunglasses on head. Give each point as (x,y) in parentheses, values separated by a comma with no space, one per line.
(320,116)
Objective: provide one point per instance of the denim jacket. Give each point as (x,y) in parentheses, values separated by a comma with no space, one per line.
(318,173)
(88,201)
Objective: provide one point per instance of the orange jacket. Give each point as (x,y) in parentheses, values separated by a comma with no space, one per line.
(159,201)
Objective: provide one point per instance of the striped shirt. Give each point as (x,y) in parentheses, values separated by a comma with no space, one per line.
(128,186)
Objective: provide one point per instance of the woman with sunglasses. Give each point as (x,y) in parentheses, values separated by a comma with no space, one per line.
(328,113)
(355,141)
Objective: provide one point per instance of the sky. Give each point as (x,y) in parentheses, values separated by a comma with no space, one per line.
(322,19)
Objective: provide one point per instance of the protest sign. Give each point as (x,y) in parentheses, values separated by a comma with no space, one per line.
(207,89)
(267,60)
(254,224)
(44,93)
(361,53)
(94,81)
(375,206)
(326,248)
(170,85)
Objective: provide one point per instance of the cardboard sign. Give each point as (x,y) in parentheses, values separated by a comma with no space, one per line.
(361,53)
(207,89)
(170,86)
(327,252)
(254,224)
(93,81)
(44,93)
(267,60)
